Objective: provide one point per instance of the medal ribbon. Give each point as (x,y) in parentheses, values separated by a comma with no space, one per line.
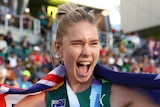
(94,96)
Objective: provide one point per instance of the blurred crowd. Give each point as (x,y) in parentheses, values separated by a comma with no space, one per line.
(8,7)
(23,64)
(8,12)
(145,57)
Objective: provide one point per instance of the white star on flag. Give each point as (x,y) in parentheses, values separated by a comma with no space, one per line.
(157,77)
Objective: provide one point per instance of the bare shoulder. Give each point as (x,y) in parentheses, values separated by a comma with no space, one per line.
(124,96)
(37,100)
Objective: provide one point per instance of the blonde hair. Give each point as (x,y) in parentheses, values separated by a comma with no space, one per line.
(68,14)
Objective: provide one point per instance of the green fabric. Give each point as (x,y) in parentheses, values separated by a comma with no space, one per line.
(125,41)
(83,97)
(125,68)
(3,56)
(105,97)
(60,93)
(44,20)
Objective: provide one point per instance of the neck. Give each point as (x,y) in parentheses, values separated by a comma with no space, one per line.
(77,86)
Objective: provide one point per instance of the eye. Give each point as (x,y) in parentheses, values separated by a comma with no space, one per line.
(94,43)
(77,43)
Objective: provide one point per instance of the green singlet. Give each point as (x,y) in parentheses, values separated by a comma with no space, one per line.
(58,97)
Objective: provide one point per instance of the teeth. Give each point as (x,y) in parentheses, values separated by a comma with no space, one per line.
(85,63)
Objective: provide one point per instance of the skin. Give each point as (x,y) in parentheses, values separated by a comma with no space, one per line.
(81,45)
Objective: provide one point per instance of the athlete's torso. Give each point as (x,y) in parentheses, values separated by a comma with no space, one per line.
(58,97)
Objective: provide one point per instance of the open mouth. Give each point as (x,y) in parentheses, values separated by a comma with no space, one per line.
(83,67)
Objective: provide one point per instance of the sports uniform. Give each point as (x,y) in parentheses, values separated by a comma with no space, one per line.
(57,97)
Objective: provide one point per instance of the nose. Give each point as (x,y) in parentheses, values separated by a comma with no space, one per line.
(86,51)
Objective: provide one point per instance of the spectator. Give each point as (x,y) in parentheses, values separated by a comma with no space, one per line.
(103,51)
(12,21)
(43,72)
(55,62)
(117,63)
(1,62)
(34,79)
(25,43)
(50,21)
(42,14)
(156,51)
(145,65)
(3,45)
(122,49)
(19,68)
(145,51)
(10,78)
(37,58)
(125,41)
(134,67)
(3,70)
(53,30)
(152,67)
(136,40)
(119,60)
(24,82)
(8,38)
(111,60)
(104,55)
(14,6)
(27,21)
(30,65)
(151,44)
(13,59)
(4,9)
(126,66)
(45,57)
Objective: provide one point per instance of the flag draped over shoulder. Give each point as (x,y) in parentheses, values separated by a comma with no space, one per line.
(149,82)
(9,96)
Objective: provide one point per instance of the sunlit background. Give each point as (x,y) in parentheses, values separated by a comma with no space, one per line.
(112,6)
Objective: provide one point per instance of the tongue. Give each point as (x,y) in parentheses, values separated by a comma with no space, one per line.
(83,69)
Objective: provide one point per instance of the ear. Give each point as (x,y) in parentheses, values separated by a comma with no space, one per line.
(58,49)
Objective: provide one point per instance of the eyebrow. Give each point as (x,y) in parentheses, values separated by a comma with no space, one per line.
(76,40)
(95,40)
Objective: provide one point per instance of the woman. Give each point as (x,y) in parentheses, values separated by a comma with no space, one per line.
(77,44)
(10,77)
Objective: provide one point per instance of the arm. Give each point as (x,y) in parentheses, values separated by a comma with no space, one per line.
(142,99)
(16,83)
(2,80)
(37,100)
(122,96)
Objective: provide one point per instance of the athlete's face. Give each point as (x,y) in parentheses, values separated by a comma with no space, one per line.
(80,51)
